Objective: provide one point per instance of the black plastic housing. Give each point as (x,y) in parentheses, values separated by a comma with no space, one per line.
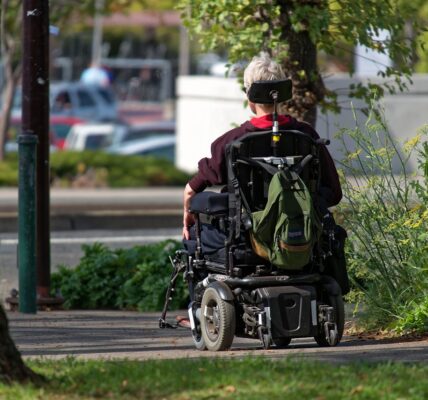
(290,310)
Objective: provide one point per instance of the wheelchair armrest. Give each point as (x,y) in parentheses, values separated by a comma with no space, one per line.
(209,203)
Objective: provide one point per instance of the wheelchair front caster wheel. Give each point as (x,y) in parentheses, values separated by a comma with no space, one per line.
(198,341)
(334,335)
(217,321)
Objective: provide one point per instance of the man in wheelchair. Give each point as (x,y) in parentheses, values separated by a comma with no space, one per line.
(267,262)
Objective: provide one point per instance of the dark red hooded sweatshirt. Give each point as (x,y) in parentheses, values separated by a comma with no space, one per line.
(212,171)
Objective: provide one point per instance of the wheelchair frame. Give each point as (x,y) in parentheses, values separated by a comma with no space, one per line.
(256,299)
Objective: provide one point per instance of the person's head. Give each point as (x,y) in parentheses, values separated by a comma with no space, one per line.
(262,68)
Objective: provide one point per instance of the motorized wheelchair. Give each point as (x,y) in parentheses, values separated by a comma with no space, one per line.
(233,290)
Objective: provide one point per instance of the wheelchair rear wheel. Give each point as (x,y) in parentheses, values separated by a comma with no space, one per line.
(217,321)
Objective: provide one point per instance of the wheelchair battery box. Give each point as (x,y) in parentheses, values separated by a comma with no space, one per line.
(291,311)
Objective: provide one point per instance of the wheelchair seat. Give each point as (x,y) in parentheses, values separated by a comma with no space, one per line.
(210,203)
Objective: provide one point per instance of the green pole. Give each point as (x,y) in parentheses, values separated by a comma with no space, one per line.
(27,223)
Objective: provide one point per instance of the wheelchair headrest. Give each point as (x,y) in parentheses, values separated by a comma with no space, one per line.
(261,92)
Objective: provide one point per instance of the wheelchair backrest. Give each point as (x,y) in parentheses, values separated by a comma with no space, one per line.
(292,147)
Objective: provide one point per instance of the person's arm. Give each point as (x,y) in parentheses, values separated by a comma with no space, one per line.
(188,218)
(212,170)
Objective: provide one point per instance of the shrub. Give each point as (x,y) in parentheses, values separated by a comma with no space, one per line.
(134,278)
(387,218)
(117,170)
(104,169)
(8,174)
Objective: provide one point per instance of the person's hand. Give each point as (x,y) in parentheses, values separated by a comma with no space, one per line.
(188,218)
(188,221)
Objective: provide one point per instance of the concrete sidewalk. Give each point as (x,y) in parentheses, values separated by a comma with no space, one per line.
(82,209)
(133,335)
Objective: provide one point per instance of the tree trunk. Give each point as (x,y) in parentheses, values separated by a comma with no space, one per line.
(7,101)
(301,66)
(12,77)
(12,368)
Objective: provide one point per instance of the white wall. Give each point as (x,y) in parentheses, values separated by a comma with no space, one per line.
(209,106)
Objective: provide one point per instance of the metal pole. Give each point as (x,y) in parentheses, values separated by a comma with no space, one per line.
(97,34)
(41,126)
(27,223)
(35,123)
(184,52)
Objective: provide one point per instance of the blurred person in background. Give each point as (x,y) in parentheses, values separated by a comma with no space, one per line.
(95,75)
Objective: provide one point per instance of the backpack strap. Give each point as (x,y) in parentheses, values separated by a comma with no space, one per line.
(234,194)
(290,174)
(256,163)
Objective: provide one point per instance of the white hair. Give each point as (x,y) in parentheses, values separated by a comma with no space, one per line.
(262,68)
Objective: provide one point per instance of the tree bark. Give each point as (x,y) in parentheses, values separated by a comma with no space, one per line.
(12,78)
(301,66)
(11,67)
(12,368)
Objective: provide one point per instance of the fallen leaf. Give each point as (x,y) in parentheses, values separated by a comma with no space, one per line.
(230,389)
(357,389)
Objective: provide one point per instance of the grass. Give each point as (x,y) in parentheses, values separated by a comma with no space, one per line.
(249,378)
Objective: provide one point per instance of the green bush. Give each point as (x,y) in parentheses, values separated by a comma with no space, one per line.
(8,174)
(118,170)
(134,278)
(110,170)
(386,215)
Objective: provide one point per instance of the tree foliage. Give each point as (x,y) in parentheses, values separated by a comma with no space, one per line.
(292,31)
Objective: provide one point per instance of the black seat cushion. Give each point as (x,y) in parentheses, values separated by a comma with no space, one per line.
(213,247)
(210,203)
(212,240)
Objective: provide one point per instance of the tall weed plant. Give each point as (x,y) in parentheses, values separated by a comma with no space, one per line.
(385,211)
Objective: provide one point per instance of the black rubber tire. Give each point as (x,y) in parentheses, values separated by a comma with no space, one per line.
(199,342)
(218,328)
(339,306)
(281,343)
(197,338)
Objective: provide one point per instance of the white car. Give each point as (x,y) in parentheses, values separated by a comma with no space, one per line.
(92,136)
(159,146)
(143,131)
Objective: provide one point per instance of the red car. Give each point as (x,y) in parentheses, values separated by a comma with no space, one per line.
(59,128)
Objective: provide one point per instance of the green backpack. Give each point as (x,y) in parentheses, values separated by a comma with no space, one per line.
(287,229)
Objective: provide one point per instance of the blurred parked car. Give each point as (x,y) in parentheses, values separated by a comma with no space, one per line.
(75,99)
(59,128)
(142,131)
(92,135)
(83,101)
(160,146)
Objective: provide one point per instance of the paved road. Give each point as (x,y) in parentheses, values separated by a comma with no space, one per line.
(66,248)
(118,334)
(117,217)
